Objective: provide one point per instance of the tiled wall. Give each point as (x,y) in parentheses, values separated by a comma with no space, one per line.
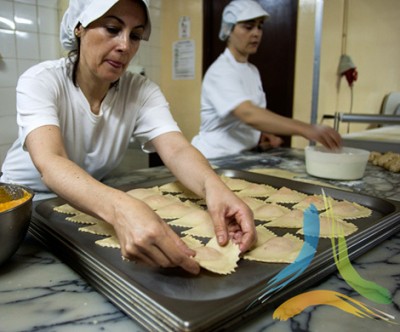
(149,55)
(29,34)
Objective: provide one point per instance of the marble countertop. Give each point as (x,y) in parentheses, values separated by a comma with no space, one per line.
(38,292)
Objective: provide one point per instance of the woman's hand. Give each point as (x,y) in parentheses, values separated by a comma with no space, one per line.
(268,141)
(325,135)
(231,216)
(233,219)
(145,237)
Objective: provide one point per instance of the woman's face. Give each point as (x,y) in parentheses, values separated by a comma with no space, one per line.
(245,38)
(109,43)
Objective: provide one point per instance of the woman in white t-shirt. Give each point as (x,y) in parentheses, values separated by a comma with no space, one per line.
(76,116)
(234,116)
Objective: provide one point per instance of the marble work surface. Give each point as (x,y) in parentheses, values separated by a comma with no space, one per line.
(38,292)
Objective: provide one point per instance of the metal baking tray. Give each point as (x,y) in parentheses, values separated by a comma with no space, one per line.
(173,300)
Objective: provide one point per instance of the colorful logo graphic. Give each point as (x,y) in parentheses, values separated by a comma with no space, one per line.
(299,303)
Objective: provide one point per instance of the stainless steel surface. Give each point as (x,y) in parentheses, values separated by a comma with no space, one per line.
(365,118)
(14,225)
(372,145)
(383,139)
(173,300)
(319,14)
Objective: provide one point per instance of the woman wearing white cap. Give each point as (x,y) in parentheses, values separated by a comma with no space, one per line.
(76,116)
(233,103)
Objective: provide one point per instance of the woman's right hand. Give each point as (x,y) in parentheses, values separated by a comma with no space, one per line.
(325,135)
(145,237)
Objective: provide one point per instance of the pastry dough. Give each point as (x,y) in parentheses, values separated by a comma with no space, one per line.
(263,235)
(235,184)
(252,202)
(286,195)
(269,248)
(100,228)
(326,228)
(177,210)
(270,211)
(192,242)
(141,193)
(66,209)
(347,210)
(192,219)
(317,200)
(83,218)
(218,259)
(276,249)
(109,242)
(257,190)
(205,230)
(388,160)
(187,194)
(292,219)
(158,201)
(173,187)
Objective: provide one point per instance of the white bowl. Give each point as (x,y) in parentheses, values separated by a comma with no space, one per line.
(345,164)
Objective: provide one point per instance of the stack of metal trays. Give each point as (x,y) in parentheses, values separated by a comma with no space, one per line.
(173,300)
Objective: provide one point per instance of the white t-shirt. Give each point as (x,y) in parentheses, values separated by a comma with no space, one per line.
(46,95)
(227,84)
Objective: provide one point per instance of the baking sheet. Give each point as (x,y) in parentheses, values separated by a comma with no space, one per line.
(171,299)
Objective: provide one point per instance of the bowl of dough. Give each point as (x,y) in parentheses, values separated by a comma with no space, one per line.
(15,217)
(344,164)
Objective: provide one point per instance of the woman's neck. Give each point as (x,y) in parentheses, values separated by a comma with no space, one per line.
(94,92)
(239,57)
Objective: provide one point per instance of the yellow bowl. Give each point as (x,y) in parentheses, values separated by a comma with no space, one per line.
(14,222)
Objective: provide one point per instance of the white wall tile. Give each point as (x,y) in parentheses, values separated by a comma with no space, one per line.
(8,73)
(8,102)
(154,73)
(27,45)
(155,14)
(155,53)
(3,151)
(144,54)
(25,17)
(29,2)
(9,129)
(7,44)
(23,65)
(7,15)
(155,4)
(48,20)
(48,3)
(49,49)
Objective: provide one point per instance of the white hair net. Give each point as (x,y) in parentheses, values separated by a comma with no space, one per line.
(85,12)
(239,11)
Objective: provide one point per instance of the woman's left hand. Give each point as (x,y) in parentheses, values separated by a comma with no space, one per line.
(231,216)
(233,219)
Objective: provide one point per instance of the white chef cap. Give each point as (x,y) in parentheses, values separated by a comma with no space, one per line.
(239,11)
(85,12)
